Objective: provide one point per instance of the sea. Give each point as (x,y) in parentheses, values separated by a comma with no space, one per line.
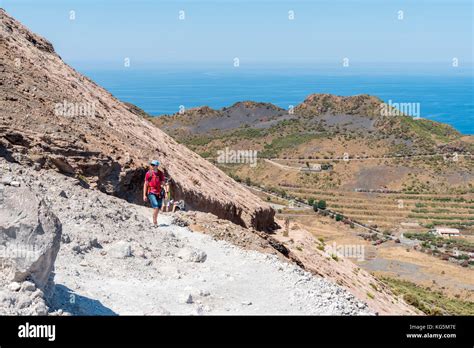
(443,93)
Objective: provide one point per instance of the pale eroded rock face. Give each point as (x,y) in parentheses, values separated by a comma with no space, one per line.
(30,236)
(53,117)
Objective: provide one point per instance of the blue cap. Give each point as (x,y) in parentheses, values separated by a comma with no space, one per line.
(155,163)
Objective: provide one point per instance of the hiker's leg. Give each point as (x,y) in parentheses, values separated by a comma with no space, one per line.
(159,203)
(155,206)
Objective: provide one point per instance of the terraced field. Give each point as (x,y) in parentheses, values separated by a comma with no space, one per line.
(394,210)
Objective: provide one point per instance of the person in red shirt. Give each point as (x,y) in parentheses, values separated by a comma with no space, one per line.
(152,188)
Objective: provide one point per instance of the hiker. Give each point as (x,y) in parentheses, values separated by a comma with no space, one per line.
(168,199)
(152,190)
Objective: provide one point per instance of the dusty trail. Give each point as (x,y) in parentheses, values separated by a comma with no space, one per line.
(229,281)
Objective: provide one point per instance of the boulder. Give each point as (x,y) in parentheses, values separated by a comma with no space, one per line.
(30,236)
(6,180)
(120,250)
(192,255)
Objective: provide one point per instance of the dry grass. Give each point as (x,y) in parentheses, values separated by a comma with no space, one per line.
(428,301)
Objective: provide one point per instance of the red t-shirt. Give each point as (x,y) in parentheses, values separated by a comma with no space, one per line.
(154,181)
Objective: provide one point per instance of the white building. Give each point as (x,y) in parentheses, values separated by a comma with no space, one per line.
(314,168)
(446,232)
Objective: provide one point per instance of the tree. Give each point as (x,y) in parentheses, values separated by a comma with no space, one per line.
(311,201)
(315,206)
(322,205)
(339,217)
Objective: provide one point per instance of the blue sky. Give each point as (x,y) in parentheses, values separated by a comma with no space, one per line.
(256,31)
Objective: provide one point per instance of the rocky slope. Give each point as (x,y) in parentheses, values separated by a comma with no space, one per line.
(113,261)
(53,117)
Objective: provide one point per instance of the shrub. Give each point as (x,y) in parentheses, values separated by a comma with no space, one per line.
(322,204)
(411,300)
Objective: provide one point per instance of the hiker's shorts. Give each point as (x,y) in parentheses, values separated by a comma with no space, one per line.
(155,201)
